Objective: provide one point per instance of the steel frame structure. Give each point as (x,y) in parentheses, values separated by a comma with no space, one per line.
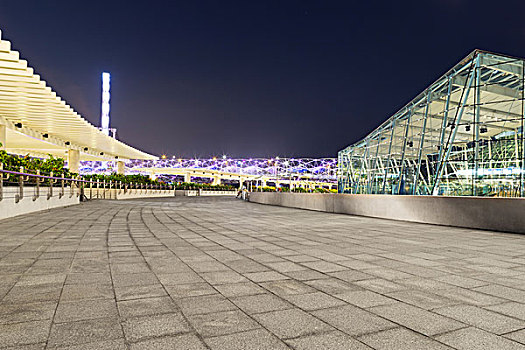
(320,169)
(462,136)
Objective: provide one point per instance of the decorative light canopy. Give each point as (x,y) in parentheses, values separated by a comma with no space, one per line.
(319,169)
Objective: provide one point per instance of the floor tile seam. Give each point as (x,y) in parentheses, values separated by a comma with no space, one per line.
(319,332)
(462,277)
(257,326)
(225,228)
(235,305)
(108,232)
(22,322)
(319,319)
(215,259)
(130,343)
(506,336)
(29,267)
(329,276)
(67,346)
(369,310)
(513,331)
(400,301)
(484,309)
(25,271)
(429,337)
(503,285)
(340,295)
(200,225)
(190,326)
(497,296)
(355,337)
(401,326)
(116,318)
(486,330)
(467,326)
(60,296)
(213,337)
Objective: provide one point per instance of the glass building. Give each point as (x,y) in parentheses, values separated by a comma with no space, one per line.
(462,136)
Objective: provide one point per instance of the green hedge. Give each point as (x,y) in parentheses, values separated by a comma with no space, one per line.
(13,162)
(126,179)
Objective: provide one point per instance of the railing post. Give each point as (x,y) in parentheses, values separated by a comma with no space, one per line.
(51,182)
(1,182)
(80,186)
(20,194)
(71,187)
(62,185)
(37,187)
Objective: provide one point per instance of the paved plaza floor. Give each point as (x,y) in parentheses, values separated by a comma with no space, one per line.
(219,273)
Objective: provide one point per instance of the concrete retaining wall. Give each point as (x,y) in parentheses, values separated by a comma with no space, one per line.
(186,193)
(130,194)
(218,193)
(9,207)
(498,214)
(192,193)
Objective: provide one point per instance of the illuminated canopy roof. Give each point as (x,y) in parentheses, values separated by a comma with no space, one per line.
(311,168)
(39,122)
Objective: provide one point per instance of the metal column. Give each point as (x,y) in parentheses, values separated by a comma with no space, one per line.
(457,120)
(421,143)
(401,174)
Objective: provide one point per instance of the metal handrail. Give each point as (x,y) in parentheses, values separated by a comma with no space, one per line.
(76,184)
(97,189)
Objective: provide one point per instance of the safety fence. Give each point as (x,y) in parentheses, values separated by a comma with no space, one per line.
(20,184)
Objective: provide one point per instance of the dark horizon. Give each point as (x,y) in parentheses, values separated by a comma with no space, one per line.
(294,79)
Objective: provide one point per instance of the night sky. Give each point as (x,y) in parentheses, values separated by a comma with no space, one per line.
(252,78)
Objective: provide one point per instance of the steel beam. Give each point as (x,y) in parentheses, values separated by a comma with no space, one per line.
(457,120)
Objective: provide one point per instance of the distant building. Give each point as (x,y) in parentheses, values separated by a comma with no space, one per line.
(462,136)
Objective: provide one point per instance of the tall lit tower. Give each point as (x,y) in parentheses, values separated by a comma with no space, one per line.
(104,118)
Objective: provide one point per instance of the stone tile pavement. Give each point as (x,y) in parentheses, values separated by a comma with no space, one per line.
(216,273)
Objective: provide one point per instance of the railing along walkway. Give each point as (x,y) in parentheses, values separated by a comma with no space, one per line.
(21,180)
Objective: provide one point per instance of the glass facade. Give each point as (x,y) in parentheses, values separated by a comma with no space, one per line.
(462,136)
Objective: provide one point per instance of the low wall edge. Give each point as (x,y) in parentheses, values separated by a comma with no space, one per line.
(495,214)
